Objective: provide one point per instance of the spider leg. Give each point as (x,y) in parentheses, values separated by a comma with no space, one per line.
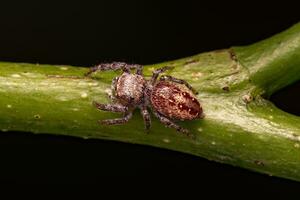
(171,124)
(146,117)
(116,121)
(110,107)
(156,73)
(106,67)
(176,80)
(115,66)
(139,69)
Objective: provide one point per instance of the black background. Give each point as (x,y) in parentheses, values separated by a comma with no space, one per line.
(85,33)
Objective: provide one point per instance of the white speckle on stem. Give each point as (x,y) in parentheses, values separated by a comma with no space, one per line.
(75,109)
(8,106)
(213,143)
(93,84)
(200,129)
(296,145)
(16,75)
(84,95)
(166,140)
(64,68)
(4,130)
(37,116)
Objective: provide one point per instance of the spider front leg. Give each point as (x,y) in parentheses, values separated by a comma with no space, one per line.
(180,81)
(110,107)
(115,66)
(117,121)
(171,124)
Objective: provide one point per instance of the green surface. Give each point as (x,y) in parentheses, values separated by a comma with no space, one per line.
(240,127)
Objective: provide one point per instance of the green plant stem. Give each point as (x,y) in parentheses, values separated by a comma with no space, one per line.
(273,63)
(240,127)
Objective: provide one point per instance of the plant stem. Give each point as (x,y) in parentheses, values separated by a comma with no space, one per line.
(272,63)
(240,127)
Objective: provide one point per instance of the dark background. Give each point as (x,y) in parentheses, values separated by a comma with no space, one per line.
(85,33)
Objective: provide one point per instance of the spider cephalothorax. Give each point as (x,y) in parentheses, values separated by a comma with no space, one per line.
(169,98)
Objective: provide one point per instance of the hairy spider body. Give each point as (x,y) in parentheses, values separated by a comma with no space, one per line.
(129,89)
(175,101)
(169,98)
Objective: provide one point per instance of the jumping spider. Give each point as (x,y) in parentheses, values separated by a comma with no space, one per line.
(169,97)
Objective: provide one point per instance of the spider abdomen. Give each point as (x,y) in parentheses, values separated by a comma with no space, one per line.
(175,101)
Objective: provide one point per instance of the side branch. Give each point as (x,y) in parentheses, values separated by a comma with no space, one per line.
(275,62)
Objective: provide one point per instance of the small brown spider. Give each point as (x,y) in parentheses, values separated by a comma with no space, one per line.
(169,97)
